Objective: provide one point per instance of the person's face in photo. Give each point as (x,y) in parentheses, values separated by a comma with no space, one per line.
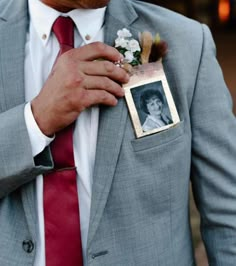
(154,106)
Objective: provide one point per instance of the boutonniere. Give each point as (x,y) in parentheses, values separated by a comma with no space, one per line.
(148,49)
(128,47)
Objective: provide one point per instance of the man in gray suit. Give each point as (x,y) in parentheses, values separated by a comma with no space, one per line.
(134,194)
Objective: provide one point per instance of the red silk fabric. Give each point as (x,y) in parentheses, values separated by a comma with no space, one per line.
(61,206)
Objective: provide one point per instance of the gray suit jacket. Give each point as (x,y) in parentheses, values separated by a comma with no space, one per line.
(140,200)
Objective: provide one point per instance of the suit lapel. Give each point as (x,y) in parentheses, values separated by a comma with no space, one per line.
(111,125)
(13,29)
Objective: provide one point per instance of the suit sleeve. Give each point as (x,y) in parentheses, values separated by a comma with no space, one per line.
(214,158)
(17,164)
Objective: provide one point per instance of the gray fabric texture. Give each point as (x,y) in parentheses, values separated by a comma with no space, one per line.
(140,197)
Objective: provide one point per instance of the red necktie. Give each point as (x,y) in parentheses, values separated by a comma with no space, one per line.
(61,206)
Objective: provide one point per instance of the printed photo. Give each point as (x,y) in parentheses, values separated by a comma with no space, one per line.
(150,102)
(151,105)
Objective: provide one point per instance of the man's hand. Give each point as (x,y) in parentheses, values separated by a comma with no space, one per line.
(78,80)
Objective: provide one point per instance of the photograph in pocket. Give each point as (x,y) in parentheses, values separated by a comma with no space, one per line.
(150,102)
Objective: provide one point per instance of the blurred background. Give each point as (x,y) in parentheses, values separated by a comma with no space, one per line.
(220,16)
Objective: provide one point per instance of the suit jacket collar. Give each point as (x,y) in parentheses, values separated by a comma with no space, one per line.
(120,14)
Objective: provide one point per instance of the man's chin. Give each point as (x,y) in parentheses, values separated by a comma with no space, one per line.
(97,4)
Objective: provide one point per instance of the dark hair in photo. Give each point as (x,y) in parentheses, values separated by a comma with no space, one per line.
(146,96)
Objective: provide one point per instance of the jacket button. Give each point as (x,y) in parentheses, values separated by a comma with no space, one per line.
(28,246)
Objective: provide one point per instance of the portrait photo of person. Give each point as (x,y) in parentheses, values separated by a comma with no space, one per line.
(152,106)
(152,103)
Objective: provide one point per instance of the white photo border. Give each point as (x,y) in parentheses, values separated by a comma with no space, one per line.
(144,75)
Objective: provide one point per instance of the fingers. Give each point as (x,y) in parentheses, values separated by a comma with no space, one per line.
(94,97)
(94,90)
(84,61)
(104,68)
(96,51)
(103,84)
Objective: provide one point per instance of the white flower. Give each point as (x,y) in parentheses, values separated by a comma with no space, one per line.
(128,47)
(121,42)
(129,57)
(133,46)
(124,33)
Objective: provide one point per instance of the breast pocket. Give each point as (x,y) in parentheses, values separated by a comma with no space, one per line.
(158,139)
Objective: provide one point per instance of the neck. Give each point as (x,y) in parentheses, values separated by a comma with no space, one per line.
(157,117)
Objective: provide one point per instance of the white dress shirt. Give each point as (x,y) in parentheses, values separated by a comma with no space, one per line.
(41,51)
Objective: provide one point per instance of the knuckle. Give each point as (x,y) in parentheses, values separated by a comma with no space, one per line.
(69,60)
(100,47)
(109,67)
(66,57)
(73,79)
(79,79)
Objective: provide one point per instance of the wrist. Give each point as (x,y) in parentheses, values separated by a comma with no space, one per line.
(41,119)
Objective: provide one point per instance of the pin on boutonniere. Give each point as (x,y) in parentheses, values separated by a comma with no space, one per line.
(149,49)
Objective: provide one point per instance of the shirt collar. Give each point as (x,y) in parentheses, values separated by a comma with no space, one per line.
(43,17)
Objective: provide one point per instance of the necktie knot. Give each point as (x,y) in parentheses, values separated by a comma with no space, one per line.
(63,28)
